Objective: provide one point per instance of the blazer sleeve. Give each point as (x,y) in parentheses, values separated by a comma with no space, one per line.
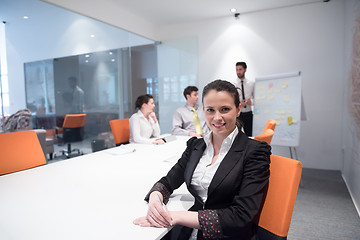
(237,218)
(175,177)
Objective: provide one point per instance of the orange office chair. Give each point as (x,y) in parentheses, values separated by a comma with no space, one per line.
(270,124)
(268,133)
(120,128)
(266,136)
(275,214)
(14,145)
(73,131)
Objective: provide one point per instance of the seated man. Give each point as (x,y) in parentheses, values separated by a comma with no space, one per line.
(189,120)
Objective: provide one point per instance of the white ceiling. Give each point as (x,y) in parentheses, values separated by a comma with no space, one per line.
(164,12)
(142,17)
(147,17)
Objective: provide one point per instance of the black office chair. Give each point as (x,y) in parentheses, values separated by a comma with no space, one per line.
(73,131)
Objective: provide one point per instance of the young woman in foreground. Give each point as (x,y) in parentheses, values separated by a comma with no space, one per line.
(225,171)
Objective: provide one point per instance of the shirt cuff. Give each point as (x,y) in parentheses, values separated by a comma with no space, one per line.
(209,224)
(162,189)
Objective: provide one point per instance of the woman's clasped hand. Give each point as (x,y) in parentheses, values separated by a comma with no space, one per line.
(157,214)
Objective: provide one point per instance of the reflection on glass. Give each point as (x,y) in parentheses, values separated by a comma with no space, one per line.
(177,69)
(101,84)
(75,98)
(39,79)
(110,68)
(87,83)
(152,87)
(105,85)
(4,84)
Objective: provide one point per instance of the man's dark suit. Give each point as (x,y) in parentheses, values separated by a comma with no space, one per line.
(236,190)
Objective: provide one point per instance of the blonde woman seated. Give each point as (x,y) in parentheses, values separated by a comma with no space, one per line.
(144,124)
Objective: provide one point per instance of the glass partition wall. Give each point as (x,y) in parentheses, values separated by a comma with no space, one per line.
(104,85)
(80,65)
(177,69)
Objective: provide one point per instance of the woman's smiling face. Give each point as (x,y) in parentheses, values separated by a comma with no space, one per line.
(220,112)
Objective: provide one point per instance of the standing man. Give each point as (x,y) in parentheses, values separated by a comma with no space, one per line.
(77,104)
(246,92)
(189,120)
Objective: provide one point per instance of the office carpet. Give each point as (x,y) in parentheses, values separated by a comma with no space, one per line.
(324,209)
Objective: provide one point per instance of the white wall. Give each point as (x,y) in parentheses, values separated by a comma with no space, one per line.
(351,142)
(308,38)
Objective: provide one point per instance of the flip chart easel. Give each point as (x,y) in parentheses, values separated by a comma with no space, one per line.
(279,97)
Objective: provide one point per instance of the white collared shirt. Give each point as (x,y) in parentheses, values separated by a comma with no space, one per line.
(248,92)
(183,120)
(142,129)
(204,173)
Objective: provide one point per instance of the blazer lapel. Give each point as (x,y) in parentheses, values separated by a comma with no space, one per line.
(195,156)
(234,155)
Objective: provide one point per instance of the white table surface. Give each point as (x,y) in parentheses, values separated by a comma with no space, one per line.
(95,196)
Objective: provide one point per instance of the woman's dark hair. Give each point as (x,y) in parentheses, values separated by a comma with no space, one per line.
(142,99)
(223,86)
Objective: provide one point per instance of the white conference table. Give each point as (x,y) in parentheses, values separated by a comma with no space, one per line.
(94,196)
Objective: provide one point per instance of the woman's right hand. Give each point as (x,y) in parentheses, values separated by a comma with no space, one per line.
(157,215)
(157,212)
(158,141)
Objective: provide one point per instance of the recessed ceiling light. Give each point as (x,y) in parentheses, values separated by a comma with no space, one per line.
(87,55)
(113,60)
(233,10)
(92,35)
(86,60)
(26,17)
(110,53)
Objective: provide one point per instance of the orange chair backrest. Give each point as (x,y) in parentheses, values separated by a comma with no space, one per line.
(275,215)
(120,128)
(270,124)
(74,120)
(20,151)
(266,136)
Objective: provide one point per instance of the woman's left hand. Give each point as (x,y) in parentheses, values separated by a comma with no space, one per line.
(153,116)
(142,222)
(146,222)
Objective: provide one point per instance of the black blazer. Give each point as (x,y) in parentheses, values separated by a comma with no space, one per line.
(236,189)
